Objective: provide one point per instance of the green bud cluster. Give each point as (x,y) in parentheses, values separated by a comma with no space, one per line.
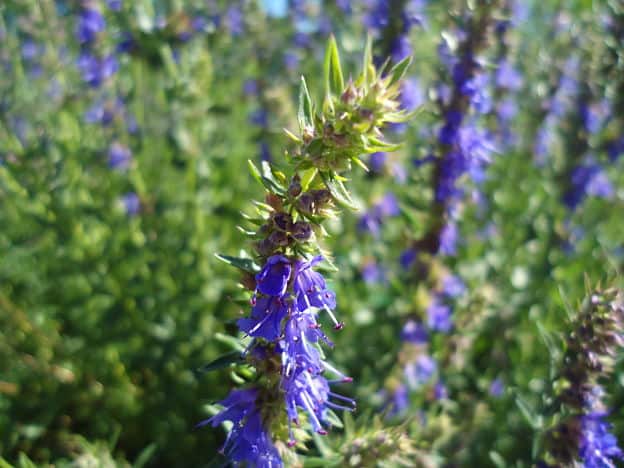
(331,137)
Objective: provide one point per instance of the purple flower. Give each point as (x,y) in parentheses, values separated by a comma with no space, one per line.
(387,206)
(266,318)
(508,77)
(440,392)
(615,148)
(414,332)
(412,95)
(248,441)
(453,286)
(90,23)
(399,401)
(439,316)
(114,5)
(588,179)
(420,371)
(311,393)
(372,273)
(131,203)
(407,258)
(311,290)
(400,48)
(497,388)
(235,21)
(119,156)
(260,118)
(291,60)
(598,447)
(273,278)
(95,71)
(250,87)
(448,239)
(377,161)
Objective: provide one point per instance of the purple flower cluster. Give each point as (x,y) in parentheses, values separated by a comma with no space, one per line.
(421,367)
(588,179)
(466,148)
(248,439)
(380,15)
(558,105)
(94,68)
(284,321)
(598,447)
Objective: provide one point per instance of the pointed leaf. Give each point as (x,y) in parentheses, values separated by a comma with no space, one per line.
(305,114)
(245,264)
(334,82)
(226,360)
(398,71)
(338,191)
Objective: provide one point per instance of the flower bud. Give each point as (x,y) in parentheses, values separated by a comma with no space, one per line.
(294,189)
(302,231)
(279,238)
(282,221)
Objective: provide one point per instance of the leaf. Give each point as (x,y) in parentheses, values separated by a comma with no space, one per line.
(534,420)
(338,191)
(360,163)
(314,462)
(270,183)
(334,82)
(245,264)
(234,357)
(497,459)
(145,455)
(307,178)
(398,71)
(333,419)
(305,114)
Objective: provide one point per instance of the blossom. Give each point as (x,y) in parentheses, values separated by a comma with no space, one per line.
(453,286)
(273,278)
(131,203)
(588,179)
(448,239)
(266,318)
(414,332)
(419,371)
(311,392)
(439,315)
(96,70)
(90,23)
(119,156)
(598,447)
(248,441)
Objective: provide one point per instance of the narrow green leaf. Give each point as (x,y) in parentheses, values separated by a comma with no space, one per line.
(318,462)
(307,178)
(305,114)
(146,454)
(338,191)
(397,72)
(534,420)
(255,172)
(245,264)
(334,82)
(497,459)
(226,360)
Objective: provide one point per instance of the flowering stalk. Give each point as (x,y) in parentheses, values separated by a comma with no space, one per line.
(290,388)
(462,148)
(582,434)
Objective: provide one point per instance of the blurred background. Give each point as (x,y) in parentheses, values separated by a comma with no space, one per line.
(125,130)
